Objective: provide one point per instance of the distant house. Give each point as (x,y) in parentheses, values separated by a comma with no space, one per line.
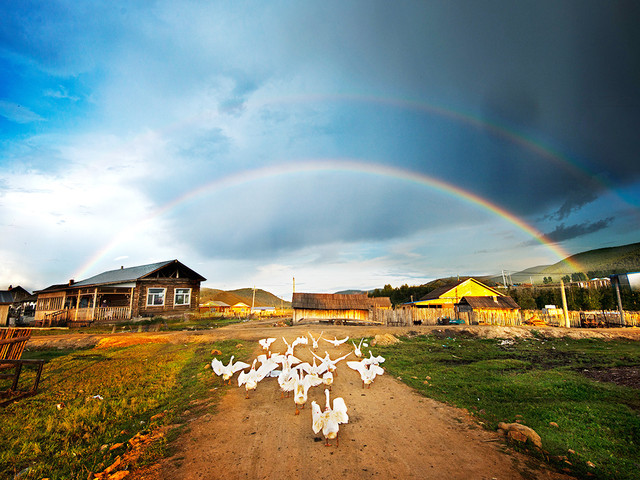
(6,300)
(337,307)
(449,295)
(214,306)
(161,288)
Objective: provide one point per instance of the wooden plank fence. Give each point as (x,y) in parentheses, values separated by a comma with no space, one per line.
(404,317)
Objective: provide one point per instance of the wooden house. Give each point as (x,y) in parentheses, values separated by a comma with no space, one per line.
(6,300)
(336,307)
(449,295)
(162,288)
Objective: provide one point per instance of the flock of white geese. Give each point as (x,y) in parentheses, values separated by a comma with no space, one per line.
(297,377)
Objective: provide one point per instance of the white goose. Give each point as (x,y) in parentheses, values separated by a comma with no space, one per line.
(377,360)
(265,343)
(315,340)
(331,364)
(227,371)
(314,369)
(251,379)
(358,348)
(286,379)
(301,388)
(367,372)
(329,421)
(335,341)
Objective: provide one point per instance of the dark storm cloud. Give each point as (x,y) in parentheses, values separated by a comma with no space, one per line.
(562,75)
(563,232)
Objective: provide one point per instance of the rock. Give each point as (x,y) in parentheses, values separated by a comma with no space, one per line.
(553,424)
(591,464)
(215,351)
(522,433)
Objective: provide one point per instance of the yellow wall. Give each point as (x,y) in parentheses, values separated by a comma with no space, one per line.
(470,288)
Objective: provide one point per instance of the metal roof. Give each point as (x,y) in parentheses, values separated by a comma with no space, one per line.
(122,275)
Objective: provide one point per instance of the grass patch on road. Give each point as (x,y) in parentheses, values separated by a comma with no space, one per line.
(91,400)
(535,381)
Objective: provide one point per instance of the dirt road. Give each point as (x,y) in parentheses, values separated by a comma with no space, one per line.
(393,432)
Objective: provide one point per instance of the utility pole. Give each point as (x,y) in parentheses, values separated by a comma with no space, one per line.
(253,300)
(504,281)
(616,282)
(564,305)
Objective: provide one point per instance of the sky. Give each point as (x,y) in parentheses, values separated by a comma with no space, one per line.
(346,144)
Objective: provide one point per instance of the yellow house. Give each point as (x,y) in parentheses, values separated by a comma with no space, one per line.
(449,295)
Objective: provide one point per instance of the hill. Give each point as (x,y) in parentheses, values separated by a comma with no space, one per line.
(599,262)
(244,295)
(622,259)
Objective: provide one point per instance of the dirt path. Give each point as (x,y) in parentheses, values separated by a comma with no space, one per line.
(392,433)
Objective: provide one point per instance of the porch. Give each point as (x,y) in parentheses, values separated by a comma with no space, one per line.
(84,307)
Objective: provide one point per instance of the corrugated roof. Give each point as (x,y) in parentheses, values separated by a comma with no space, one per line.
(331,301)
(497,302)
(122,275)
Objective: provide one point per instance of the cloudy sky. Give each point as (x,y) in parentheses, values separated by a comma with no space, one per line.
(348,144)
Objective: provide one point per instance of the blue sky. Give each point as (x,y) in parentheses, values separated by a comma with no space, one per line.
(261,141)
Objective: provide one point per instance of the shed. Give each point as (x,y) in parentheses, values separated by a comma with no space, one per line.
(336,307)
(501,310)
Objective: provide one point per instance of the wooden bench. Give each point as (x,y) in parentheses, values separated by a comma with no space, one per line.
(12,343)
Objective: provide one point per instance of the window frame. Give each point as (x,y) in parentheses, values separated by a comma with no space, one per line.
(150,295)
(188,295)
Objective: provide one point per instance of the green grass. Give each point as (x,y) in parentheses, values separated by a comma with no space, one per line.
(61,433)
(535,381)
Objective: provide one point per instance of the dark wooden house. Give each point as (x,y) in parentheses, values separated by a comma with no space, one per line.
(162,288)
(337,307)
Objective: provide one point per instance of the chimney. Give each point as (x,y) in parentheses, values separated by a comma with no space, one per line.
(71,282)
(10,287)
(121,267)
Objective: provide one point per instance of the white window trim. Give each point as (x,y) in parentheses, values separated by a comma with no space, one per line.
(175,295)
(164,296)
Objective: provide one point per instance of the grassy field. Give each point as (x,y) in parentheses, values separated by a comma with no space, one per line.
(536,382)
(93,401)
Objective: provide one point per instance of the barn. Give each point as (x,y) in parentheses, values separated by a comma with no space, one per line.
(162,288)
(481,310)
(337,307)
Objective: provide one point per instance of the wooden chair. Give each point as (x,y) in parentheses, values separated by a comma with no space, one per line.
(12,343)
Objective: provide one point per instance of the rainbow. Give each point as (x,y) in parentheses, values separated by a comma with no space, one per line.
(329,165)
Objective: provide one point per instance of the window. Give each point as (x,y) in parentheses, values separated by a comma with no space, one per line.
(183,296)
(155,297)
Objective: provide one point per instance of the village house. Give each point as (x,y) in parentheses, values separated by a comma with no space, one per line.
(337,308)
(450,295)
(163,288)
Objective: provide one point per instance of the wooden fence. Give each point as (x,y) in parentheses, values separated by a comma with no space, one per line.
(432,316)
